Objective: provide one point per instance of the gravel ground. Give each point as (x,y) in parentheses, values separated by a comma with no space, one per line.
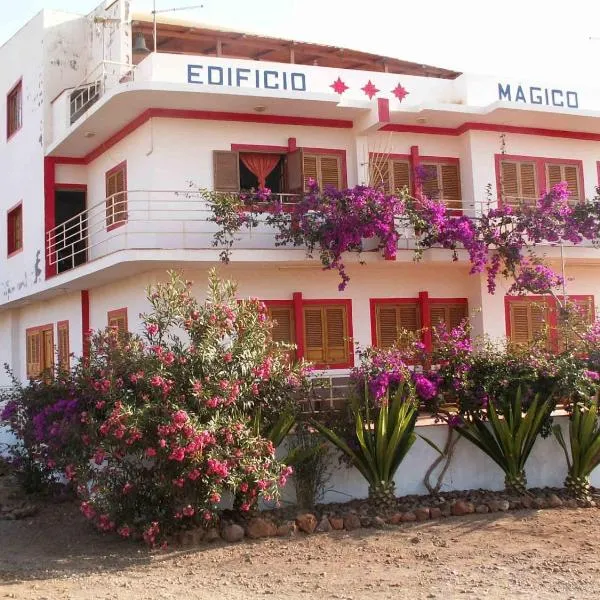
(523,554)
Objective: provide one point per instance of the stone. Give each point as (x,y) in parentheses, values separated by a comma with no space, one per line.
(395,519)
(539,502)
(422,513)
(377,523)
(498,505)
(286,529)
(482,509)
(191,537)
(211,535)
(233,533)
(337,523)
(306,522)
(461,507)
(351,522)
(409,517)
(365,521)
(324,526)
(571,503)
(435,512)
(260,528)
(526,501)
(445,509)
(554,501)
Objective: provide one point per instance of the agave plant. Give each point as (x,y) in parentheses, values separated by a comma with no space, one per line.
(383,436)
(509,438)
(584,445)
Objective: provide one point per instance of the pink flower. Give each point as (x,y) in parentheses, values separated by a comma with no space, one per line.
(188,511)
(70,472)
(177,454)
(593,375)
(180,417)
(194,474)
(157,381)
(87,510)
(179,482)
(245,507)
(150,452)
(127,487)
(124,531)
(228,357)
(151,328)
(215,498)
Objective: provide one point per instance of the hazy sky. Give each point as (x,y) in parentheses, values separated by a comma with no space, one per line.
(541,40)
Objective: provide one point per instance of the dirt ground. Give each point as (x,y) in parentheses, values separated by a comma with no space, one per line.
(524,554)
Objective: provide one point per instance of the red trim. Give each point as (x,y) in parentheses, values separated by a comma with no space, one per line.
(470,126)
(10,231)
(292,145)
(439,160)
(49,209)
(173,113)
(540,166)
(414,163)
(122,166)
(17,86)
(298,323)
(70,187)
(383,110)
(85,322)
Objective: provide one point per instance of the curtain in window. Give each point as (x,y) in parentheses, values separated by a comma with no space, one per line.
(260,165)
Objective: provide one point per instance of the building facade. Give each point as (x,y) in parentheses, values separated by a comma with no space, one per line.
(106,141)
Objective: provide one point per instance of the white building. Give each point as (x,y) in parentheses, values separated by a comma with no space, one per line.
(102,142)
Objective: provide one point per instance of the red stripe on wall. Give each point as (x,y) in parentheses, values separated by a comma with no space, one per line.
(85,322)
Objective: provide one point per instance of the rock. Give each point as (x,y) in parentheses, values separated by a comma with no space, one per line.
(461,507)
(351,522)
(554,501)
(260,528)
(409,517)
(422,513)
(233,533)
(324,526)
(435,512)
(337,523)
(571,503)
(445,509)
(365,521)
(482,509)
(498,505)
(286,529)
(211,535)
(378,523)
(191,537)
(539,502)
(395,519)
(306,522)
(526,501)
(24,511)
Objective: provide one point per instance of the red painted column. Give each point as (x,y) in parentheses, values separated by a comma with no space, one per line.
(292,144)
(298,324)
(85,322)
(49,209)
(415,161)
(425,320)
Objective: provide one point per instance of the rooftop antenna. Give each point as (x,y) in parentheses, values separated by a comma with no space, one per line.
(154,13)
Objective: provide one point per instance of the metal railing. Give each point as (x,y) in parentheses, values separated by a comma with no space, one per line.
(104,76)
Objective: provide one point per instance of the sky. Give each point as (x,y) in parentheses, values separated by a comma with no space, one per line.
(538,40)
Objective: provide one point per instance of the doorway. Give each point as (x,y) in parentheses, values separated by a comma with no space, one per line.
(71,239)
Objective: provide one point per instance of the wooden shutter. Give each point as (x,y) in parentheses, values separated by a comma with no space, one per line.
(528,183)
(33,353)
(393,319)
(118,319)
(451,314)
(47,351)
(310,164)
(294,167)
(330,172)
(518,181)
(450,192)
(226,171)
(325,334)
(379,172)
(430,184)
(528,320)
(283,323)
(116,196)
(570,173)
(400,170)
(62,332)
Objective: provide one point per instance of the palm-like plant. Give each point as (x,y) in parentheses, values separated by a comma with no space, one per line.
(383,435)
(584,446)
(509,438)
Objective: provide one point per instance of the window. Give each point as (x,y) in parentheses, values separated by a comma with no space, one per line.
(39,344)
(555,173)
(116,196)
(441,180)
(521,179)
(326,329)
(62,334)
(14,110)
(583,309)
(14,230)
(283,172)
(118,320)
(392,318)
(392,173)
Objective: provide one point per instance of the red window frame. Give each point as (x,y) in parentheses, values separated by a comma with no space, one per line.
(552,312)
(14,230)
(297,304)
(424,301)
(15,94)
(540,170)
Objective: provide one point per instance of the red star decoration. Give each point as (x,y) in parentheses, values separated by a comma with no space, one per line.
(400,92)
(369,89)
(339,86)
